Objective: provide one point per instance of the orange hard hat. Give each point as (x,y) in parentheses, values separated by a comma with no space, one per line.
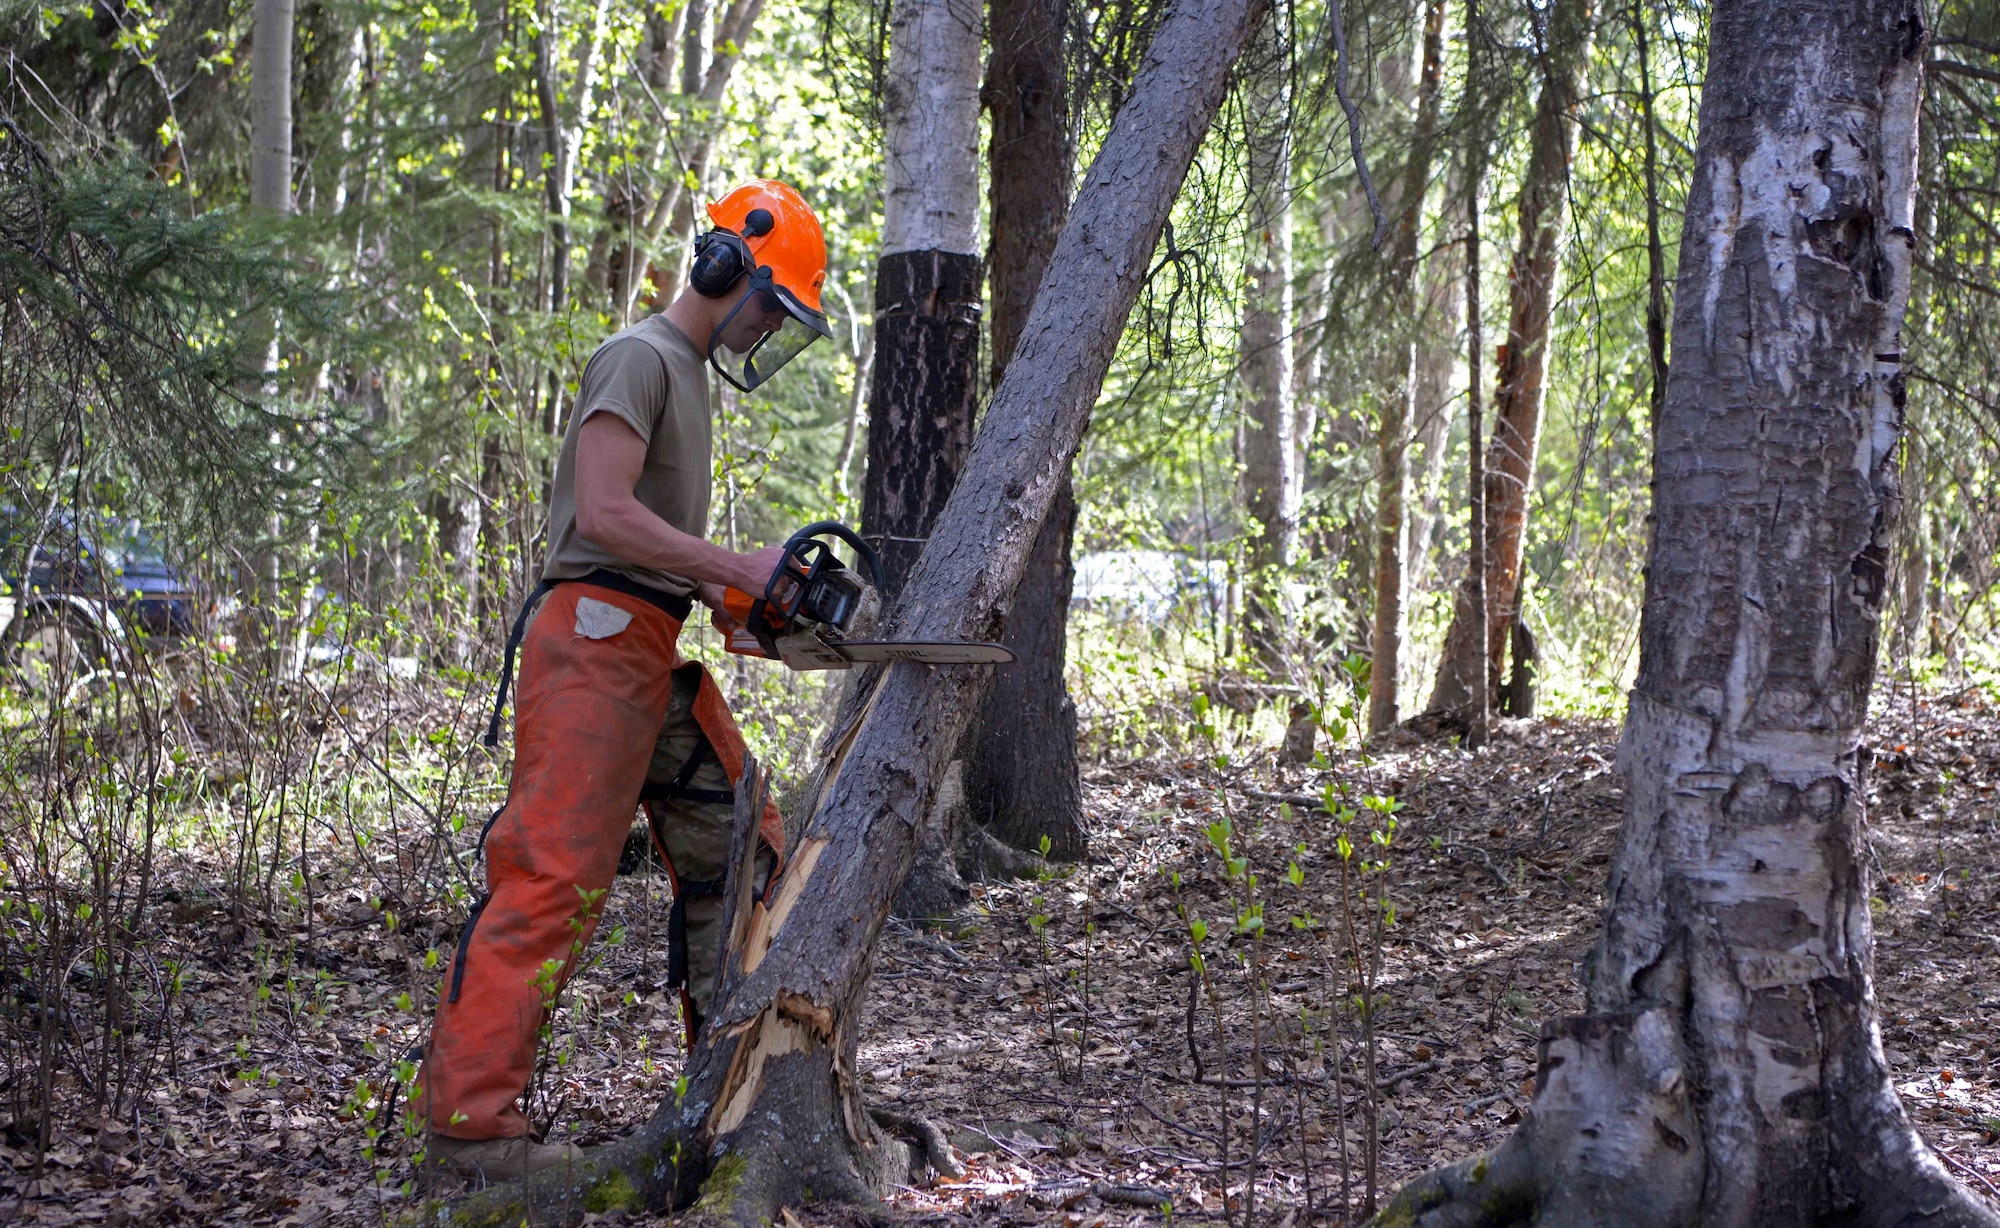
(765,231)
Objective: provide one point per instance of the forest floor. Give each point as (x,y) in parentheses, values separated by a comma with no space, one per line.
(258,1115)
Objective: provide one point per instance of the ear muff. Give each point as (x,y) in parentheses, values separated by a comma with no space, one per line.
(721,258)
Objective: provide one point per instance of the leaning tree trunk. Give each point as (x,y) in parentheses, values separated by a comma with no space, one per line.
(1517,402)
(771,1115)
(1730,1070)
(1392,424)
(1020,756)
(1268,480)
(927,288)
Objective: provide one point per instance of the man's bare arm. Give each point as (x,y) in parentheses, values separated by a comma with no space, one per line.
(609,458)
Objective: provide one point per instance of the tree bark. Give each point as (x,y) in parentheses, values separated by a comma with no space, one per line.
(1020,757)
(271,107)
(927,285)
(925,391)
(1543,210)
(1392,427)
(771,1115)
(922,394)
(1268,480)
(1473,594)
(697,46)
(1730,1071)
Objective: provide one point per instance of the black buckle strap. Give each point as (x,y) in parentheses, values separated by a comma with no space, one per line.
(682,785)
(465,942)
(492,737)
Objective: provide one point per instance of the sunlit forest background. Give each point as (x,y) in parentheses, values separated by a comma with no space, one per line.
(333,423)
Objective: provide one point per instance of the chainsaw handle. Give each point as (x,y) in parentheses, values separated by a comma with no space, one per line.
(760,618)
(864,554)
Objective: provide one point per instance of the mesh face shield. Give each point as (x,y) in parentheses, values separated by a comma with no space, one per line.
(801,327)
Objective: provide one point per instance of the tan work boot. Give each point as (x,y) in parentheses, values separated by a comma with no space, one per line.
(489,1161)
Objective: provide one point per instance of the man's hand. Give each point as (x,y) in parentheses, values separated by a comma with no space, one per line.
(758,567)
(719,617)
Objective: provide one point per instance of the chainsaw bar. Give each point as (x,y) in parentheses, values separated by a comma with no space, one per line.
(927,652)
(807,650)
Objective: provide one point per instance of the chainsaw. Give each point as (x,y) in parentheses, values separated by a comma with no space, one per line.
(813,598)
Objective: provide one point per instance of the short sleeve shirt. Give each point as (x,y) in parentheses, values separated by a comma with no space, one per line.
(653,378)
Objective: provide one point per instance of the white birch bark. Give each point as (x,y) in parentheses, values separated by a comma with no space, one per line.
(271,107)
(1730,1071)
(931,114)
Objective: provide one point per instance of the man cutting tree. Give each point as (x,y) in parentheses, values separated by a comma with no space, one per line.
(608,714)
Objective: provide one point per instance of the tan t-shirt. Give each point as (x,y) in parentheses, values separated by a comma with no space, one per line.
(655,380)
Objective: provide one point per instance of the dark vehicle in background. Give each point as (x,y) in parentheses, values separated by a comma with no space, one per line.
(76,604)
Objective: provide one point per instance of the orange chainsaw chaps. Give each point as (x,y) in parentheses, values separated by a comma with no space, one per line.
(586,716)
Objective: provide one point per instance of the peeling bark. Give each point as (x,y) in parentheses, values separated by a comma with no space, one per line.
(772,1114)
(1729,1071)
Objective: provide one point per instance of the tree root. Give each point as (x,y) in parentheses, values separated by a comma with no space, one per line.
(1492,1190)
(782,1147)
(936,1149)
(1614,1137)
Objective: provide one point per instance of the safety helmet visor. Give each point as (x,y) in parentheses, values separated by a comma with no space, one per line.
(799,326)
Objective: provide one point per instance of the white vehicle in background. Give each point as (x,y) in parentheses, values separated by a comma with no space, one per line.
(1149,585)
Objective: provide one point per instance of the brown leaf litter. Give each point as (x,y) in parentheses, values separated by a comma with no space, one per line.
(1062,1056)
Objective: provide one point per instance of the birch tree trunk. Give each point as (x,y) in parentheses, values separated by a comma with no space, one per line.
(1268,481)
(1021,773)
(927,283)
(694,142)
(772,1115)
(1543,210)
(271,107)
(271,194)
(1393,416)
(924,390)
(1730,1070)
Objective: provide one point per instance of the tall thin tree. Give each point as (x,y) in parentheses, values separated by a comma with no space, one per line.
(271,107)
(1393,414)
(927,282)
(1543,210)
(1268,476)
(925,384)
